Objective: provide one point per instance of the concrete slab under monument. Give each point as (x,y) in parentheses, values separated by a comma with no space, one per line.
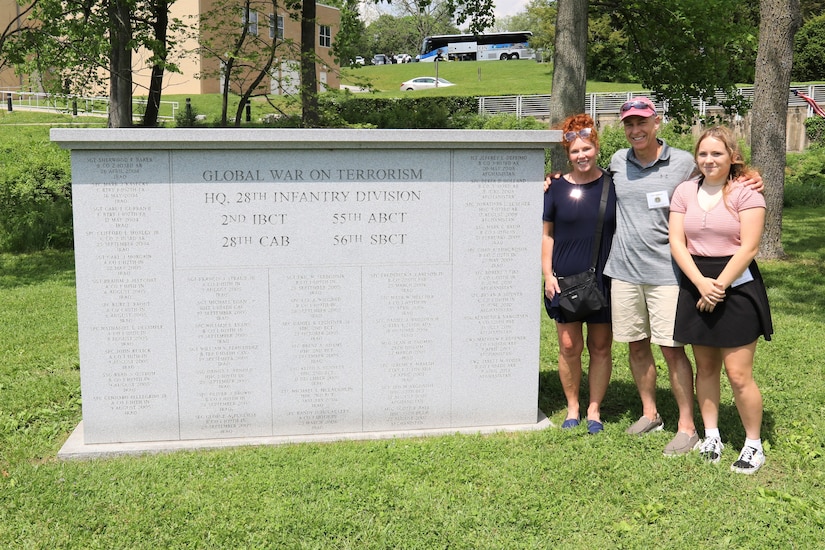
(249,287)
(76,448)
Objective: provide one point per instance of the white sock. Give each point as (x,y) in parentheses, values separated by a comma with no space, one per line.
(712,432)
(755,443)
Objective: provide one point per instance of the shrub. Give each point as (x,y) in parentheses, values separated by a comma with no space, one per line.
(815,130)
(35,195)
(283,121)
(805,178)
(611,139)
(677,136)
(419,112)
(188,117)
(511,122)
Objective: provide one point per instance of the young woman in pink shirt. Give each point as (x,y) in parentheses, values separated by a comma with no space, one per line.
(715,228)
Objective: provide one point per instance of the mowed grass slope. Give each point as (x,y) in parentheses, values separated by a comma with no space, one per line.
(473,78)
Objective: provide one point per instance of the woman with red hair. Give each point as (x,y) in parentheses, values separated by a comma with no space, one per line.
(571,212)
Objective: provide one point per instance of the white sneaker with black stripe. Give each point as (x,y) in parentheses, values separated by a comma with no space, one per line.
(750,460)
(711,450)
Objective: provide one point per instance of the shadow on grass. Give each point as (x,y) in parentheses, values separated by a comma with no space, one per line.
(18,270)
(622,405)
(798,281)
(796,287)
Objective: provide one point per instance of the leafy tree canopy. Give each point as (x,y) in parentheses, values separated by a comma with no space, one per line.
(391,35)
(70,43)
(606,47)
(538,17)
(811,8)
(809,51)
(686,49)
(681,49)
(351,39)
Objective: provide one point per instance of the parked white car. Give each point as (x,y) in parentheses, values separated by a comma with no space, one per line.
(403,58)
(424,83)
(359,60)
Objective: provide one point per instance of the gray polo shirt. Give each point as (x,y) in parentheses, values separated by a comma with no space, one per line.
(641,251)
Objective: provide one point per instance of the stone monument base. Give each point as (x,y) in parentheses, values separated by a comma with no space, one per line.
(76,449)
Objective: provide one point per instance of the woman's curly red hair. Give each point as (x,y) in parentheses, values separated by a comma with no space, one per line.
(574,123)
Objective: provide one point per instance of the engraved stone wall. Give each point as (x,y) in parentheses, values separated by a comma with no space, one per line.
(267,287)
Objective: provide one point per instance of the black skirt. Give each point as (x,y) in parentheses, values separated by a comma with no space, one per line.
(741,318)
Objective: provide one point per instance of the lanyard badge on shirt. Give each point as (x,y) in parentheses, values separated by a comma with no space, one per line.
(657,199)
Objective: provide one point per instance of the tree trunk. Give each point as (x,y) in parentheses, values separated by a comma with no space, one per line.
(569,69)
(780,20)
(228,66)
(309,82)
(265,71)
(227,89)
(160,9)
(150,116)
(120,65)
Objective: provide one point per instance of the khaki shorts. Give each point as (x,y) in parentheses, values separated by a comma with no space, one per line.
(644,311)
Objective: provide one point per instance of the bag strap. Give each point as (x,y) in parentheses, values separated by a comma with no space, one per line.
(594,256)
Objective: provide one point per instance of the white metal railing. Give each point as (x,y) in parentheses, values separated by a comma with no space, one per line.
(609,103)
(76,105)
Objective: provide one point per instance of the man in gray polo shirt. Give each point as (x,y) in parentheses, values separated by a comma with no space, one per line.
(645,287)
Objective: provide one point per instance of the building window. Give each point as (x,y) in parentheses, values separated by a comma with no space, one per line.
(325,34)
(250,20)
(276,26)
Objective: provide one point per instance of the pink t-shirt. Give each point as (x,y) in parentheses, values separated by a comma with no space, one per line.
(716,232)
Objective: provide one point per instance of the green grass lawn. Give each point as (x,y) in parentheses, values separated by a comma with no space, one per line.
(478,78)
(547,489)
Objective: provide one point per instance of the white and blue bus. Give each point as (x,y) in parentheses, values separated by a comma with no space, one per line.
(481,47)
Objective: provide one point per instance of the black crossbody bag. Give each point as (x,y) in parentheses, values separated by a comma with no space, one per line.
(580,295)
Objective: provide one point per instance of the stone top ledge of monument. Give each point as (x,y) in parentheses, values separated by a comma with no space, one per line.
(263,138)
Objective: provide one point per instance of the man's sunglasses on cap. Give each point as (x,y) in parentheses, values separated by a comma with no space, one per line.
(637,105)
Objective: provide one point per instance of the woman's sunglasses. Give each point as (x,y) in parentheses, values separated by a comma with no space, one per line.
(584,133)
